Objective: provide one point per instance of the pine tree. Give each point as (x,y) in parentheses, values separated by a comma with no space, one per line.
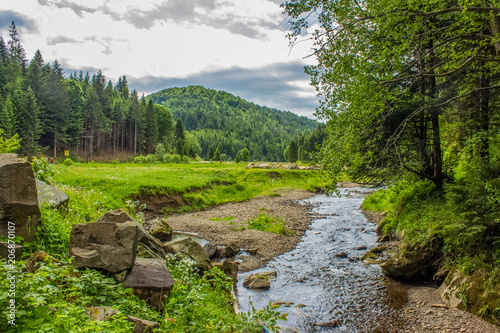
(8,122)
(151,128)
(29,125)
(217,155)
(293,152)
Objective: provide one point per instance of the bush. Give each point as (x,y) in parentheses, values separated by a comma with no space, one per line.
(115,161)
(185,159)
(139,159)
(43,170)
(160,151)
(176,159)
(68,161)
(150,158)
(167,158)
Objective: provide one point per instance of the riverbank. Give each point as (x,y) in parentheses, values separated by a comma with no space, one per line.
(227,224)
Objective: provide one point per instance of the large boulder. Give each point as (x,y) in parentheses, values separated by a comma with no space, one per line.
(257,281)
(51,196)
(19,212)
(108,246)
(229,267)
(151,282)
(161,230)
(11,251)
(148,243)
(191,248)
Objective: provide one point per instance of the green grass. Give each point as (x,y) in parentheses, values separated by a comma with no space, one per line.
(269,223)
(201,184)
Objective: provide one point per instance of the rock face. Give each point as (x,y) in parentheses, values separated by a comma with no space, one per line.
(161,230)
(190,248)
(108,246)
(409,269)
(148,243)
(18,198)
(151,282)
(50,195)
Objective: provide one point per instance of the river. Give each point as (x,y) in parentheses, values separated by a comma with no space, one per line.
(327,293)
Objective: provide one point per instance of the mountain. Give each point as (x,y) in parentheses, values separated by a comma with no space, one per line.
(219,119)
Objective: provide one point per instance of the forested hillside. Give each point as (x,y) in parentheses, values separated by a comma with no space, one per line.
(90,116)
(220,119)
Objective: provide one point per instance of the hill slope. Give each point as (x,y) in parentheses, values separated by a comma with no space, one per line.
(219,119)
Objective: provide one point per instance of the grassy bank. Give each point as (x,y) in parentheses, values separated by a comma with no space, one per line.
(460,223)
(201,184)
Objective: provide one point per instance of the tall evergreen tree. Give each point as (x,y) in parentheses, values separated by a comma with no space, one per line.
(8,121)
(151,128)
(29,125)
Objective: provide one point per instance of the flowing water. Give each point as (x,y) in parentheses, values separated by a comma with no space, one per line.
(325,293)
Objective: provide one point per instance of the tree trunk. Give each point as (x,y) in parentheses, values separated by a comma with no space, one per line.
(437,160)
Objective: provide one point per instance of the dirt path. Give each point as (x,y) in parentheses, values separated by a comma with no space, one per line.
(222,225)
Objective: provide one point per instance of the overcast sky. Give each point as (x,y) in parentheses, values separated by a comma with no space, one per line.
(234,45)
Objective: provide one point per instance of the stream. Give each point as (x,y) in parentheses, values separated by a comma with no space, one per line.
(324,293)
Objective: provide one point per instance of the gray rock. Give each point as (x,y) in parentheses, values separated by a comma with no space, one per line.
(229,267)
(108,246)
(11,251)
(210,249)
(341,255)
(161,230)
(19,212)
(190,248)
(231,250)
(151,282)
(256,281)
(51,196)
(149,243)
(141,325)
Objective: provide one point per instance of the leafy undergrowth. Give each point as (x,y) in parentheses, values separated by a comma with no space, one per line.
(462,220)
(201,184)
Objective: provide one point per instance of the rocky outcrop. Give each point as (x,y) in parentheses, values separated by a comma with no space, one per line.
(210,249)
(148,244)
(470,292)
(151,282)
(187,246)
(19,212)
(161,230)
(410,268)
(108,246)
(51,196)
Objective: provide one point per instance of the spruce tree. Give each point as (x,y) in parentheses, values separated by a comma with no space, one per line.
(29,125)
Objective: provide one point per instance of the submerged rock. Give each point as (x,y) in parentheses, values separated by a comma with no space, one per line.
(256,281)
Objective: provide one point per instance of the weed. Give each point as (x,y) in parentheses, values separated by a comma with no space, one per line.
(267,223)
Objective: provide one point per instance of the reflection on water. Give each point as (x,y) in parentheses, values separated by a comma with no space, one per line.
(330,294)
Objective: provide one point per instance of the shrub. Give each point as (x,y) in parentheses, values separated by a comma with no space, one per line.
(268,223)
(160,151)
(176,159)
(68,161)
(150,158)
(167,158)
(43,170)
(139,159)
(116,161)
(185,159)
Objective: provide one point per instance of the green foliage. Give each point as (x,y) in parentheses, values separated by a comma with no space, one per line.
(56,296)
(8,145)
(176,159)
(204,304)
(269,223)
(150,159)
(139,159)
(167,158)
(245,154)
(160,151)
(68,162)
(43,170)
(185,159)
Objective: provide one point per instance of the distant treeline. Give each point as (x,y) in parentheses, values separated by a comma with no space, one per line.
(90,115)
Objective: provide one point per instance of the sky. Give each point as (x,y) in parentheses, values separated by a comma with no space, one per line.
(239,46)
